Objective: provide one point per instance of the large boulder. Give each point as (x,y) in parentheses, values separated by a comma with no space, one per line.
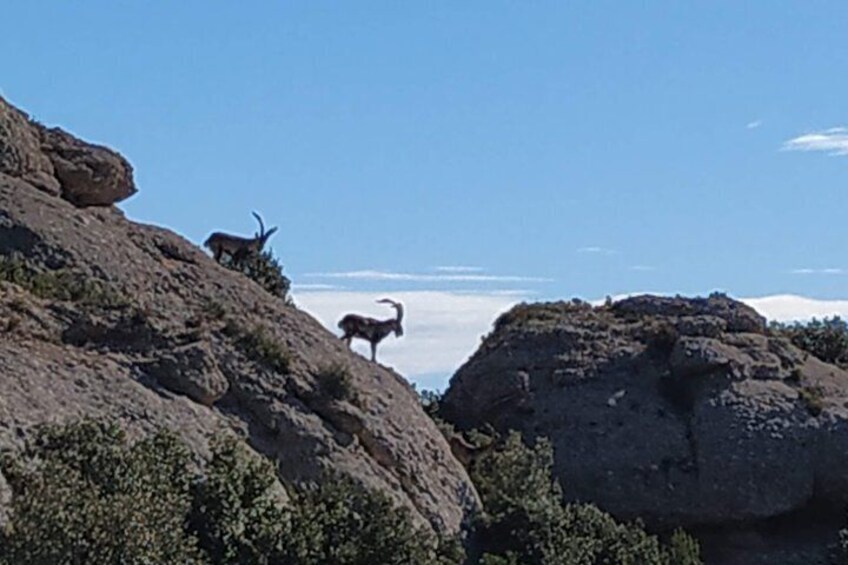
(90,175)
(677,411)
(59,164)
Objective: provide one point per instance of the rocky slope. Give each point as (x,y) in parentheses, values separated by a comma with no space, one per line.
(678,411)
(107,317)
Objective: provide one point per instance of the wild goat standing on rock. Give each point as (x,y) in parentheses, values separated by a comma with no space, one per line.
(371,330)
(237,247)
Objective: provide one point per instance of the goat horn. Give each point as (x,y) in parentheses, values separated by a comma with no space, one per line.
(261,225)
(397,306)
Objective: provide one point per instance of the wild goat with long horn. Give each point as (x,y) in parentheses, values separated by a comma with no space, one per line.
(237,247)
(371,330)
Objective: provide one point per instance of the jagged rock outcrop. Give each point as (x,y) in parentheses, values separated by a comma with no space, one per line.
(101,316)
(677,411)
(58,163)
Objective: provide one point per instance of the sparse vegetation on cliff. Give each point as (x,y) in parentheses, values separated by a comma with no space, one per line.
(826,339)
(266,270)
(334,381)
(60,284)
(524,517)
(259,346)
(525,520)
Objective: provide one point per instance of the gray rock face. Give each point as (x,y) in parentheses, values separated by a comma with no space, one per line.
(58,163)
(191,370)
(678,411)
(145,328)
(20,151)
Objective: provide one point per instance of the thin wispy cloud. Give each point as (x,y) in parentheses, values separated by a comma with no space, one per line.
(459,269)
(833,141)
(508,292)
(373,275)
(642,268)
(315,286)
(593,249)
(827,271)
(754,125)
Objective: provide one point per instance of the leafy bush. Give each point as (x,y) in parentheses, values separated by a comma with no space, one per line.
(265,270)
(431,403)
(259,346)
(813,399)
(525,520)
(61,284)
(235,514)
(826,339)
(340,522)
(334,381)
(82,494)
(683,549)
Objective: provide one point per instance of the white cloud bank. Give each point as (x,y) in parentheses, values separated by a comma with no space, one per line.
(443,328)
(833,141)
(790,307)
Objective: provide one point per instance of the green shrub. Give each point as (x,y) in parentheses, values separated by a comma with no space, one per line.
(813,399)
(61,284)
(683,549)
(214,310)
(826,339)
(335,382)
(525,520)
(341,522)
(259,346)
(265,270)
(236,514)
(83,494)
(509,558)
(431,402)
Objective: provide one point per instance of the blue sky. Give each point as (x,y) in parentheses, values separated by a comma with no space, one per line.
(554,149)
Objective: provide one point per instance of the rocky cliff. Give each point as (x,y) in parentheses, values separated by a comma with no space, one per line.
(101,316)
(683,412)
